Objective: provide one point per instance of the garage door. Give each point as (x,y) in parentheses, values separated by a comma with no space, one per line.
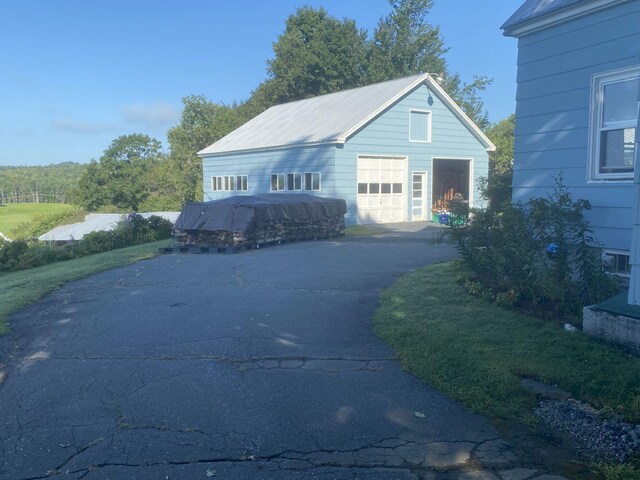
(381,189)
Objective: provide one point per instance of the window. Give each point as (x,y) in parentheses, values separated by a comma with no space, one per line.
(617,262)
(242,183)
(312,181)
(277,182)
(229,183)
(294,181)
(614,116)
(419,126)
(362,188)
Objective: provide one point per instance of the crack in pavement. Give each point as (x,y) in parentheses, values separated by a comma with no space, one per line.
(389,453)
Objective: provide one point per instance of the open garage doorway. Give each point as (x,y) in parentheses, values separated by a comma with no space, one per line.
(451,183)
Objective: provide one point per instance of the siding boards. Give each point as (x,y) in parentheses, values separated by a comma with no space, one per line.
(614,20)
(449,139)
(259,165)
(555,66)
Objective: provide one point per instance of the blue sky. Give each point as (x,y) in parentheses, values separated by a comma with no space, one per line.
(75,74)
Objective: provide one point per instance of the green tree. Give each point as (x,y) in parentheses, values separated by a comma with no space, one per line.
(502,136)
(202,123)
(497,186)
(317,54)
(119,178)
(404,43)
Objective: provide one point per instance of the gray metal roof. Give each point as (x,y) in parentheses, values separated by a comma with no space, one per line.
(532,9)
(328,118)
(95,222)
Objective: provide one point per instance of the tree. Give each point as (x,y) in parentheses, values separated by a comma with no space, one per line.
(202,123)
(502,136)
(497,186)
(317,54)
(405,43)
(119,177)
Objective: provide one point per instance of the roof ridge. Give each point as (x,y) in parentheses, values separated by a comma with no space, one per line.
(324,95)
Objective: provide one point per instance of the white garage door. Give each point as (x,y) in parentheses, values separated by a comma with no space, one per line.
(381,189)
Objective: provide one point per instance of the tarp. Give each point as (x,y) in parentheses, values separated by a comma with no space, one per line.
(244,212)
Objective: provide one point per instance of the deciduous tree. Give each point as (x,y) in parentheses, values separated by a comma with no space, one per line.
(119,177)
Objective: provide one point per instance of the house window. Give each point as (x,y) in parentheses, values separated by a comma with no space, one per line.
(229,183)
(242,183)
(419,126)
(312,181)
(617,262)
(614,117)
(277,182)
(294,181)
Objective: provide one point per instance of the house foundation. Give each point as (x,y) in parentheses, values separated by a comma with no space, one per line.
(614,320)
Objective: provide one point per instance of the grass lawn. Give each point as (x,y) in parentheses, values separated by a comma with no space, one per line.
(15,214)
(19,289)
(360,231)
(477,352)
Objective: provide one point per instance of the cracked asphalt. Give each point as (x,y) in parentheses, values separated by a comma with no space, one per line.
(258,365)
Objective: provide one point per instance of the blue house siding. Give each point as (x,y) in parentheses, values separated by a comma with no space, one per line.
(259,165)
(388,135)
(338,128)
(555,66)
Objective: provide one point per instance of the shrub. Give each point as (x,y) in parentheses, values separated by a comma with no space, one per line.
(132,230)
(539,255)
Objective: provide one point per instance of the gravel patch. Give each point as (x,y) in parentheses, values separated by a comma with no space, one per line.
(595,438)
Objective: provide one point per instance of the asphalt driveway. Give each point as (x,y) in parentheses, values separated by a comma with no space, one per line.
(259,365)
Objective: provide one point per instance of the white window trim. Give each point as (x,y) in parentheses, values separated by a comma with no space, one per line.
(429,122)
(241,177)
(294,189)
(611,252)
(284,182)
(223,181)
(598,81)
(304,183)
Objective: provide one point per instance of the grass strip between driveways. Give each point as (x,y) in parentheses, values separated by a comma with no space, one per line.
(19,289)
(477,352)
(360,231)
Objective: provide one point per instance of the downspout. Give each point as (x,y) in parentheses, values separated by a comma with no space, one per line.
(634,258)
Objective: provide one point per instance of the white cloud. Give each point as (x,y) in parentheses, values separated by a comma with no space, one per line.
(152,115)
(75,126)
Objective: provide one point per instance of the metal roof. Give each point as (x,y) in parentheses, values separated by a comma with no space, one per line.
(330,118)
(95,222)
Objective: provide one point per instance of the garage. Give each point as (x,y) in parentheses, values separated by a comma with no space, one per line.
(381,189)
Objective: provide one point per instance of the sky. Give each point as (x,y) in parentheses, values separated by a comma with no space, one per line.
(76,74)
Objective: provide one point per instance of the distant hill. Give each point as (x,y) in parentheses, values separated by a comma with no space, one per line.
(39,184)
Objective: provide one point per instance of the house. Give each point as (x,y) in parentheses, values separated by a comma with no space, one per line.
(394,151)
(577,105)
(577,108)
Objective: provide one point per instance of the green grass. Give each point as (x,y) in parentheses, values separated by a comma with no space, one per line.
(19,289)
(16,214)
(360,231)
(477,353)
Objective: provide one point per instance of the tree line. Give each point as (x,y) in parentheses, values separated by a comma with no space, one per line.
(316,54)
(39,184)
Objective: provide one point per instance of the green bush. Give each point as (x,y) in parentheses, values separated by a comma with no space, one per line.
(540,255)
(133,230)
